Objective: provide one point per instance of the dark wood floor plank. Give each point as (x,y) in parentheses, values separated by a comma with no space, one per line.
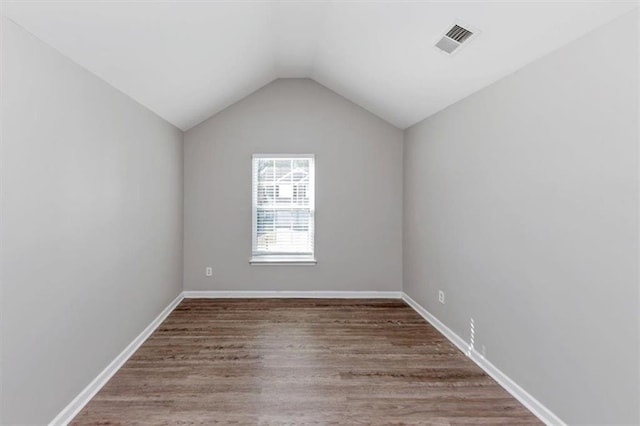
(300,361)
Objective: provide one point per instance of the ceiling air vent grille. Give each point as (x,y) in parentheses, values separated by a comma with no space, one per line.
(459,34)
(454,38)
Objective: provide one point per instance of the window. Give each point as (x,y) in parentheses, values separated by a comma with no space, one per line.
(283,209)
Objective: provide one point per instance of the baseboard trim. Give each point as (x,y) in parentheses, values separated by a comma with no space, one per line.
(536,407)
(437,324)
(525,398)
(73,408)
(293,294)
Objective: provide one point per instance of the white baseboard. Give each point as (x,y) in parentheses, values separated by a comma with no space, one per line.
(293,294)
(74,407)
(437,324)
(526,399)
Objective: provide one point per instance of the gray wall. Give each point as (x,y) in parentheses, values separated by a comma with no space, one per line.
(521,203)
(358,191)
(92,225)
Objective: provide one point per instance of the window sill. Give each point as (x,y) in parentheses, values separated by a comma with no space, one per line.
(282,261)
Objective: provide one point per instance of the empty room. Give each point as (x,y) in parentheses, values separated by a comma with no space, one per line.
(320,212)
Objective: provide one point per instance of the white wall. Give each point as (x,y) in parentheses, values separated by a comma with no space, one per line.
(91,225)
(358,191)
(521,203)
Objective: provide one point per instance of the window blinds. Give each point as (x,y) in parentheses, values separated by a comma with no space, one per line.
(283,205)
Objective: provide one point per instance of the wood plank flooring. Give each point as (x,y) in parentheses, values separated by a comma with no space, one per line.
(300,361)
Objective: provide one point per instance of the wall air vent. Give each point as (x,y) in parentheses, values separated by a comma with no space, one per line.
(454,38)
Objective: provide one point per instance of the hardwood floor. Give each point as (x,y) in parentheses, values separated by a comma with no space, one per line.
(300,361)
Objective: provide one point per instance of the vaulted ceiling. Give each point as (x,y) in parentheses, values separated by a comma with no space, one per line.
(188,60)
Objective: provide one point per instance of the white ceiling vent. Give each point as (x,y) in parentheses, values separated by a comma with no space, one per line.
(455,37)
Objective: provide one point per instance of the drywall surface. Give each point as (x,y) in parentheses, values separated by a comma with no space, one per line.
(91,222)
(358,191)
(521,203)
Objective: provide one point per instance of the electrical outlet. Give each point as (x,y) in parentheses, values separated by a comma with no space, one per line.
(441,296)
(209,271)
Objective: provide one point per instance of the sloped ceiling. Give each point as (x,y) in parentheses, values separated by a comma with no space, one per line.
(188,60)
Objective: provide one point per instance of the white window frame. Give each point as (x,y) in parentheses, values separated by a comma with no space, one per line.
(297,259)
